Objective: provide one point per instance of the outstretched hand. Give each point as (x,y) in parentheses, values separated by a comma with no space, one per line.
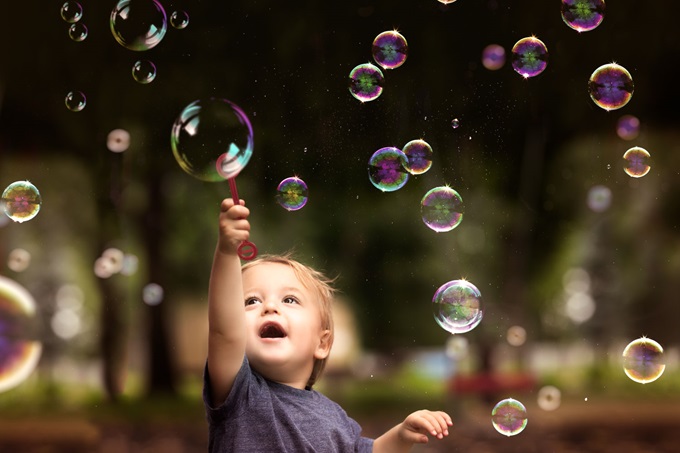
(419,425)
(234,227)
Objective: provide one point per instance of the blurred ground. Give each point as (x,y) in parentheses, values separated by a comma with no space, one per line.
(587,426)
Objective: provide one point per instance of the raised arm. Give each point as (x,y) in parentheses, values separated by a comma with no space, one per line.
(415,429)
(226,307)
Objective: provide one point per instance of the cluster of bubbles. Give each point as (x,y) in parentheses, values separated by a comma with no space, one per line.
(20,348)
(114,261)
(292,194)
(72,12)
(21,201)
(509,417)
(137,25)
(389,51)
(212,139)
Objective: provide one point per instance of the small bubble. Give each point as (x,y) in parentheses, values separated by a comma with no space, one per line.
(529,57)
(457,306)
(442,209)
(77,32)
(455,123)
(179,20)
(549,398)
(75,101)
(366,82)
(418,156)
(643,360)
(390,49)
(152,294)
(636,162)
(611,86)
(144,71)
(21,201)
(18,260)
(71,12)
(118,140)
(292,194)
(493,57)
(509,417)
(387,169)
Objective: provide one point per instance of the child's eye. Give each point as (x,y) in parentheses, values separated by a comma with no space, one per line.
(252,301)
(290,300)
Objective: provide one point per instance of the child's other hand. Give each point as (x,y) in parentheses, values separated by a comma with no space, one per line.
(234,227)
(420,424)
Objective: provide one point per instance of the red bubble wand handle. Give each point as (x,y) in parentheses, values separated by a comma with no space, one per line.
(247,250)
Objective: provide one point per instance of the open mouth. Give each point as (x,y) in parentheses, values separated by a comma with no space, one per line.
(272,330)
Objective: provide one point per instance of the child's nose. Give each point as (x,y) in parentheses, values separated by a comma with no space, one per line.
(270,306)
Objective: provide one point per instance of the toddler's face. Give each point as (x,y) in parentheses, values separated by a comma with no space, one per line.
(283,323)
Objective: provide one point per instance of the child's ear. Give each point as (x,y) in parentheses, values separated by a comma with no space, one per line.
(324,347)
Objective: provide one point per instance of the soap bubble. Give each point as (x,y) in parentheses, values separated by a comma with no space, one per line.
(19,346)
(152,294)
(71,12)
(386,169)
(77,32)
(144,71)
(457,306)
(366,82)
(611,86)
(138,24)
(18,260)
(455,123)
(529,57)
(292,194)
(509,417)
(446,2)
(493,57)
(643,360)
(118,140)
(636,162)
(179,19)
(390,49)
(442,209)
(599,198)
(516,336)
(212,139)
(418,156)
(21,201)
(549,398)
(75,101)
(628,127)
(115,258)
(583,15)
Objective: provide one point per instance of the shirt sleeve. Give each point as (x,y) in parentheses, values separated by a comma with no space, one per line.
(230,406)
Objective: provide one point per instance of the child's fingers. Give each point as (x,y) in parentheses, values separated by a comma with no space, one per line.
(228,203)
(238,212)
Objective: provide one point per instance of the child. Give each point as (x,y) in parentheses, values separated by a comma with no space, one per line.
(265,355)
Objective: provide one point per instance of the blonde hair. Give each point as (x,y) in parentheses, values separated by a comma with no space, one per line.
(317,282)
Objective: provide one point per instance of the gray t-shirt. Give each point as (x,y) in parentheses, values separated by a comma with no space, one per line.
(264,416)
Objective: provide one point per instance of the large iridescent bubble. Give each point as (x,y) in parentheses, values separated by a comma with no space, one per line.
(138,24)
(611,86)
(20,348)
(583,15)
(457,306)
(418,156)
(21,201)
(643,360)
(292,193)
(442,209)
(509,417)
(212,139)
(390,49)
(366,82)
(529,57)
(387,169)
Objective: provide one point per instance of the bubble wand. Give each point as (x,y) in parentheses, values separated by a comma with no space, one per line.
(247,250)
